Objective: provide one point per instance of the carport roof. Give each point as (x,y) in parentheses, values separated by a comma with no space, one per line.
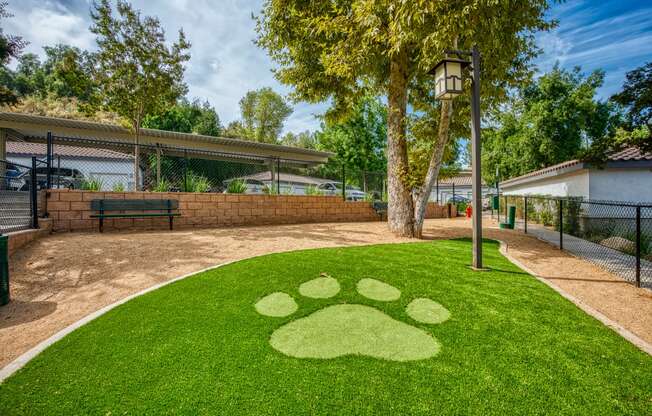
(29,127)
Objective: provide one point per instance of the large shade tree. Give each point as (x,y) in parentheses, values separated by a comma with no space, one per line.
(137,72)
(549,121)
(263,114)
(346,49)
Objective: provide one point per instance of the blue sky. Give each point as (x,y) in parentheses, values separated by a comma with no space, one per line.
(615,35)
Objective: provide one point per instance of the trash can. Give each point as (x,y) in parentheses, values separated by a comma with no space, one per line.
(4,270)
(495,202)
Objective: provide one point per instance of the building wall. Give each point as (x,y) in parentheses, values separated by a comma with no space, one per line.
(572,184)
(70,210)
(631,185)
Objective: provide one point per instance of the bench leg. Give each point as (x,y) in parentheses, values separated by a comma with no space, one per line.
(171,219)
(101,224)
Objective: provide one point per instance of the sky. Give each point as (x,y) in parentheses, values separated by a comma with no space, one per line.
(615,35)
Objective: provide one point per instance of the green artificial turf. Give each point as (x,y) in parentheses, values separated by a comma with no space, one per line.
(198,346)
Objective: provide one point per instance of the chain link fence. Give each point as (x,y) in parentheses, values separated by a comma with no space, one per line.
(616,236)
(18,206)
(110,166)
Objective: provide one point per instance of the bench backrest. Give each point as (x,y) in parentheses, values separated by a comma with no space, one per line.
(134,204)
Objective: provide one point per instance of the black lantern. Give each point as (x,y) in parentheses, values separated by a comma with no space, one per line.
(448,78)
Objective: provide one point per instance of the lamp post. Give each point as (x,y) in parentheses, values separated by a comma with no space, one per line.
(448,85)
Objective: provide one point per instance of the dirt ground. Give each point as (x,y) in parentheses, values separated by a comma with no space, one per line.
(62,278)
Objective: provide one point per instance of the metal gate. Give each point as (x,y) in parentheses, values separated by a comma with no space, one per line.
(18,202)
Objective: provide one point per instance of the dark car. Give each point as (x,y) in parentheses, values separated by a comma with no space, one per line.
(61,178)
(12,177)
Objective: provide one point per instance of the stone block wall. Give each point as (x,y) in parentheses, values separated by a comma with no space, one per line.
(70,210)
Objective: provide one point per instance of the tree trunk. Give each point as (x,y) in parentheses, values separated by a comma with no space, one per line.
(400,216)
(422,195)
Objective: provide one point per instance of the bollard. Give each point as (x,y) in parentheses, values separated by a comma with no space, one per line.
(4,270)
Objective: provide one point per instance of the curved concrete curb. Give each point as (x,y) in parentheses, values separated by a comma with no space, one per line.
(19,362)
(622,331)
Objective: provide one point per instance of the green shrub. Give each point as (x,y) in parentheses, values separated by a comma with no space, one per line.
(196,183)
(91,184)
(118,187)
(237,186)
(314,191)
(270,190)
(288,191)
(162,186)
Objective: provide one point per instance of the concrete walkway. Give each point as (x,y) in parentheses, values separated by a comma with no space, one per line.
(616,262)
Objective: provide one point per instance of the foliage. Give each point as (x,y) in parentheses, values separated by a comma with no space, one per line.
(305,139)
(263,113)
(270,190)
(196,183)
(67,72)
(312,190)
(547,122)
(61,107)
(162,186)
(186,117)
(359,141)
(237,186)
(91,184)
(636,96)
(355,48)
(118,187)
(10,47)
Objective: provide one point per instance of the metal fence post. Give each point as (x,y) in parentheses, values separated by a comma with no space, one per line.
(185,171)
(561,224)
(454,193)
(343,182)
(638,246)
(278,175)
(525,213)
(437,191)
(48,161)
(33,194)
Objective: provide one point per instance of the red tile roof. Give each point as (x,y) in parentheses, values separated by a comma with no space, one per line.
(631,153)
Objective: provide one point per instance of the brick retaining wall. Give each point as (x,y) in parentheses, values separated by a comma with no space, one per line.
(70,210)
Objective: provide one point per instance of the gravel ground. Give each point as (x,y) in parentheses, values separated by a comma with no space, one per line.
(61,278)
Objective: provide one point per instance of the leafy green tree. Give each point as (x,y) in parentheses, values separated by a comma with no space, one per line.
(69,72)
(345,50)
(359,142)
(137,73)
(636,96)
(263,114)
(305,139)
(187,117)
(549,121)
(10,48)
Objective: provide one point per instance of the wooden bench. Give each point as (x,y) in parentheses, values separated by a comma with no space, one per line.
(380,208)
(154,208)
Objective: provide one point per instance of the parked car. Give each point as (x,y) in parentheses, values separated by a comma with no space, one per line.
(62,178)
(254,186)
(12,177)
(353,193)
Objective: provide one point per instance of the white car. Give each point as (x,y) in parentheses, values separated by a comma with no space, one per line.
(353,193)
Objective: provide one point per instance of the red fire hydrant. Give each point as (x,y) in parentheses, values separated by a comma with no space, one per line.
(469,211)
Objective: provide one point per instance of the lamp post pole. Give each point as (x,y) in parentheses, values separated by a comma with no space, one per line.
(476,180)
